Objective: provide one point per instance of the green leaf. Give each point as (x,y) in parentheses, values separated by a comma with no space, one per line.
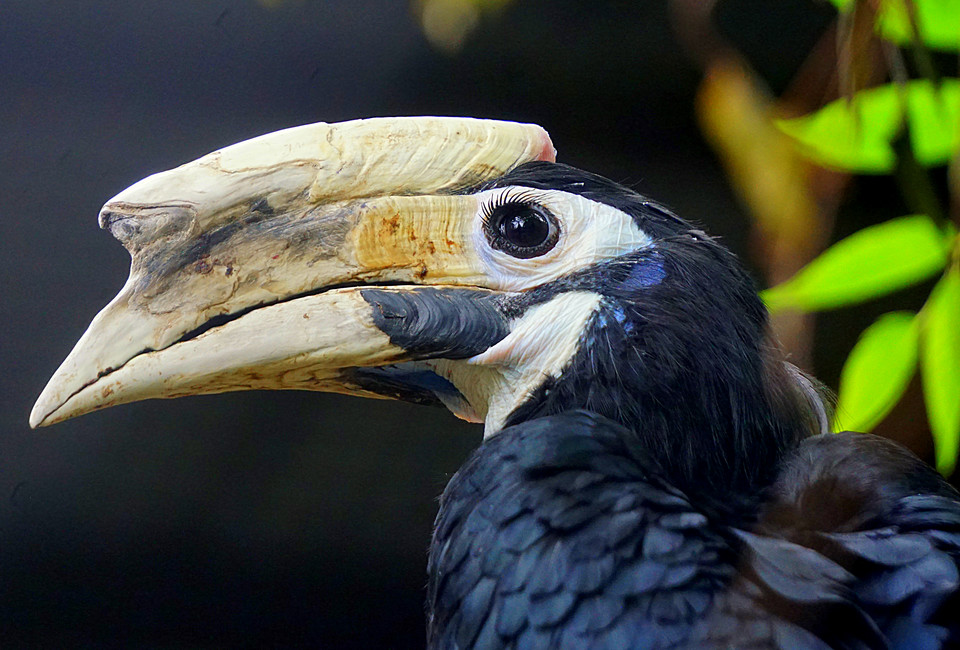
(871,262)
(877,372)
(938,23)
(940,367)
(934,118)
(855,135)
(851,135)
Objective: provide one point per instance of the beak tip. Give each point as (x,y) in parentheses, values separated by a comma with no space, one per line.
(38,415)
(48,408)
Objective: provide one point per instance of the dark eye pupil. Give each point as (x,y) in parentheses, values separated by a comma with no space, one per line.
(522,229)
(525,228)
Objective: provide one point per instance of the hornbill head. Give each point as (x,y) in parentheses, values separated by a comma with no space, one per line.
(437,260)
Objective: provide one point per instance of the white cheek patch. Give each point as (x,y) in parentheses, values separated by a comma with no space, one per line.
(539,346)
(545,337)
(590,232)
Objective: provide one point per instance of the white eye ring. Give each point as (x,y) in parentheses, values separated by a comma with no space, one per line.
(588,232)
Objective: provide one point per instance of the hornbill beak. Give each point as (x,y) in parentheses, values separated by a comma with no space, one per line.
(255,266)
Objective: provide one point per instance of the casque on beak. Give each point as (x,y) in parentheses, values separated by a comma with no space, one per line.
(248,265)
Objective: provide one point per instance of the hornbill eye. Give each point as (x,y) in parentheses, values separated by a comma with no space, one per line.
(521,229)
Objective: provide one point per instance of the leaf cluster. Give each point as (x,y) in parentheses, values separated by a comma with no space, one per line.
(860,134)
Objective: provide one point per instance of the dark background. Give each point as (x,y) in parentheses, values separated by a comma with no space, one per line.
(277,518)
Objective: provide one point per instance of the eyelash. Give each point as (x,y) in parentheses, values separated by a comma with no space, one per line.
(524,197)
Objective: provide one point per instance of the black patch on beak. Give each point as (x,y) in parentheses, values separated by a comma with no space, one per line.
(432,323)
(406,382)
(403,382)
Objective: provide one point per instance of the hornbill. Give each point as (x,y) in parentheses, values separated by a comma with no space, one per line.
(653,472)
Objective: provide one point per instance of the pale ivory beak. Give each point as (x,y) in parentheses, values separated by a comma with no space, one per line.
(245,242)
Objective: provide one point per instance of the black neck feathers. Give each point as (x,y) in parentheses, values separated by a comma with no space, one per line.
(679,352)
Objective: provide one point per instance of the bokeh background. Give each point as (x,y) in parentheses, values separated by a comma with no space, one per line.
(299,519)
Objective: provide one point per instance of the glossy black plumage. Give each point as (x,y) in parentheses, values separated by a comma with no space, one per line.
(561,532)
(673,488)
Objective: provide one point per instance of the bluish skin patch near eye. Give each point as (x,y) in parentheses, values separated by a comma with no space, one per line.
(646,273)
(613,312)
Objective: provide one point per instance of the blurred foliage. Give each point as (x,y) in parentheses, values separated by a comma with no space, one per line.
(856,134)
(738,117)
(940,364)
(448,23)
(904,127)
(877,371)
(872,262)
(901,21)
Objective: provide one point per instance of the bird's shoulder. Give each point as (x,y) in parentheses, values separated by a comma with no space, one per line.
(858,540)
(557,533)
